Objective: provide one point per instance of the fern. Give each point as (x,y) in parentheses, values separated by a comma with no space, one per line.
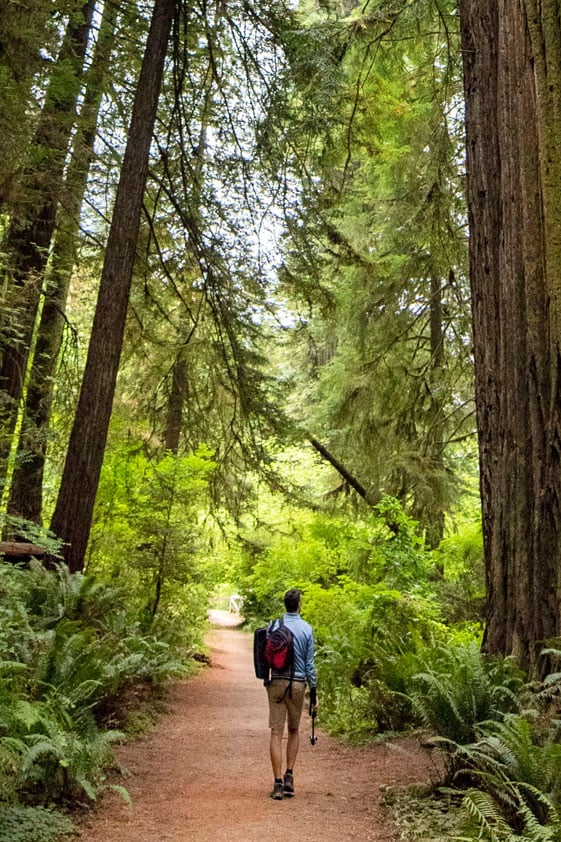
(51,749)
(65,658)
(518,783)
(11,668)
(484,812)
(550,689)
(462,689)
(548,828)
(26,714)
(510,743)
(63,764)
(124,793)
(487,813)
(12,751)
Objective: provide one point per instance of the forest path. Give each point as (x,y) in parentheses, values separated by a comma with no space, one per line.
(203,772)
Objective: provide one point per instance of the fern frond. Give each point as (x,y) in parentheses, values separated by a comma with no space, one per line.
(41,748)
(8,668)
(11,747)
(463,690)
(89,788)
(123,792)
(26,714)
(537,830)
(482,808)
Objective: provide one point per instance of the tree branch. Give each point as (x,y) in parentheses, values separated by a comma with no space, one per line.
(353,482)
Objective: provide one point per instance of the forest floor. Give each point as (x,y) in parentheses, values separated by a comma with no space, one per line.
(203,773)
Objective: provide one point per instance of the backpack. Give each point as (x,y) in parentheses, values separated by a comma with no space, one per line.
(273,649)
(279,648)
(259,662)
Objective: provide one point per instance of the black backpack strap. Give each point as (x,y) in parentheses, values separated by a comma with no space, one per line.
(267,681)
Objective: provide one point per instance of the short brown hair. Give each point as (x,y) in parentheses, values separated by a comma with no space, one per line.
(292,599)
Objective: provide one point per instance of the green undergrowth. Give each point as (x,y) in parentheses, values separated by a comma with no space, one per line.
(372,592)
(78,674)
(424,814)
(33,824)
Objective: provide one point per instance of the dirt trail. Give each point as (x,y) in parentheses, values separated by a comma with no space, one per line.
(203,772)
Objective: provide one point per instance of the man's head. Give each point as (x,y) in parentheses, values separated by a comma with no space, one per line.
(292,600)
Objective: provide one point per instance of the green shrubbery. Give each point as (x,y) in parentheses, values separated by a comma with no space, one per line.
(509,763)
(147,535)
(460,689)
(71,661)
(371,592)
(517,783)
(398,645)
(19,823)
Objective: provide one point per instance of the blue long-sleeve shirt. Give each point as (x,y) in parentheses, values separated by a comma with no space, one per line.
(304,665)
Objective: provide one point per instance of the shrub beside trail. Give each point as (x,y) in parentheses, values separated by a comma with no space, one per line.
(73,666)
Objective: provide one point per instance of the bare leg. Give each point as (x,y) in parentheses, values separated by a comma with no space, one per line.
(292,745)
(275,750)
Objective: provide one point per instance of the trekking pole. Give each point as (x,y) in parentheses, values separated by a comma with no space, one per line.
(313,713)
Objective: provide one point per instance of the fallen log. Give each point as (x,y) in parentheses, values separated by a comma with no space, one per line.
(21,549)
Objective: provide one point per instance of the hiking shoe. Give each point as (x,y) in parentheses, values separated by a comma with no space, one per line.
(277,792)
(288,784)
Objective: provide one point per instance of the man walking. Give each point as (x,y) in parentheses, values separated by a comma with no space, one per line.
(286,695)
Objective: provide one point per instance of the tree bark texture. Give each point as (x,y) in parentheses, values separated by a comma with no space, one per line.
(176,402)
(32,225)
(74,508)
(432,512)
(24,27)
(26,487)
(512,66)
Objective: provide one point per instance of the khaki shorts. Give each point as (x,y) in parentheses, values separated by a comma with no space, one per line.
(291,708)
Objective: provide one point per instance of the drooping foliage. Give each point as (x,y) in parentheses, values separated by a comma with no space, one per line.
(376,256)
(340,153)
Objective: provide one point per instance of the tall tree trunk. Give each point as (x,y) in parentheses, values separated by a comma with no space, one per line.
(74,508)
(26,488)
(24,29)
(433,516)
(512,64)
(179,379)
(31,228)
(176,401)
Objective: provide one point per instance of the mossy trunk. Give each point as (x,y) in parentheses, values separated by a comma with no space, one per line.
(32,224)
(512,62)
(74,508)
(26,488)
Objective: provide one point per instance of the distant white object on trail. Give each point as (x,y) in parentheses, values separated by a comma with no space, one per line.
(224,618)
(235,604)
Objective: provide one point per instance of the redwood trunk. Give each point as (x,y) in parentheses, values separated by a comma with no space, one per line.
(176,401)
(73,513)
(431,513)
(26,488)
(31,229)
(513,132)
